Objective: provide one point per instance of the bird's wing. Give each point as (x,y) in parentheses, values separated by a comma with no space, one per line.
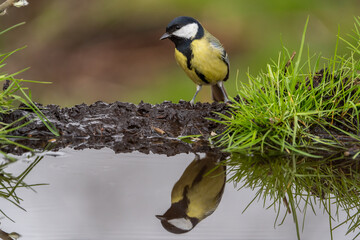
(215,43)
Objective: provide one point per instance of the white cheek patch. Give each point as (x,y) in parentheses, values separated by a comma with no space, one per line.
(188,31)
(182,223)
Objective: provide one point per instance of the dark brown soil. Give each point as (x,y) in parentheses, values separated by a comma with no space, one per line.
(126,127)
(123,127)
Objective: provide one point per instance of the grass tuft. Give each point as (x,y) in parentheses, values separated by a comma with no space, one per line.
(14,96)
(281,107)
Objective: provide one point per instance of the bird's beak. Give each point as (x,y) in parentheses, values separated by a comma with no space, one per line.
(165,36)
(161,218)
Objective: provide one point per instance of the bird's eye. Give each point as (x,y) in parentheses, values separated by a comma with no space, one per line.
(177,27)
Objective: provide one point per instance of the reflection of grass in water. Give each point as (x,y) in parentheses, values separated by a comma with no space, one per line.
(280,107)
(9,183)
(300,183)
(12,97)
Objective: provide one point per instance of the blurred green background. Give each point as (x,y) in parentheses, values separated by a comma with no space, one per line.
(110,50)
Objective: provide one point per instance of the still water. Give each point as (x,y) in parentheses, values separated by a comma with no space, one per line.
(97,194)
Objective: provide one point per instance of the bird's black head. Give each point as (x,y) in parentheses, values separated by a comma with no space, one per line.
(178,225)
(183,29)
(175,219)
(171,227)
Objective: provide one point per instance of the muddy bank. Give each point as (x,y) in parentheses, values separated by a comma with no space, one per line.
(126,127)
(123,127)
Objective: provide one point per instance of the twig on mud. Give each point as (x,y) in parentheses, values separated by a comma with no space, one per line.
(158,130)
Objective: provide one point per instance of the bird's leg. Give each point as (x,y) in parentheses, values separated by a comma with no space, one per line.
(198,88)
(221,86)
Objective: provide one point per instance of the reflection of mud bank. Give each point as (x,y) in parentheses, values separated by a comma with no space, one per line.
(124,126)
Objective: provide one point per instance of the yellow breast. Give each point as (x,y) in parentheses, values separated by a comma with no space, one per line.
(206,60)
(182,62)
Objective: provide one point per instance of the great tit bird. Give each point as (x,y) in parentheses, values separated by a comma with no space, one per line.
(200,55)
(195,195)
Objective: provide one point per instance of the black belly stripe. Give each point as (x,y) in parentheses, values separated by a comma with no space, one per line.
(202,77)
(188,60)
(183,46)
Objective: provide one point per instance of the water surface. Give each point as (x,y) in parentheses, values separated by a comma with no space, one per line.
(97,194)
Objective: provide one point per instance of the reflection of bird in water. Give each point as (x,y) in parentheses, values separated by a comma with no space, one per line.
(195,195)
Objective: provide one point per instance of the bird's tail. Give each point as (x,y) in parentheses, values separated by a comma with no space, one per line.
(217,93)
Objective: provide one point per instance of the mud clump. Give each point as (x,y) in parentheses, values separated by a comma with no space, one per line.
(124,127)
